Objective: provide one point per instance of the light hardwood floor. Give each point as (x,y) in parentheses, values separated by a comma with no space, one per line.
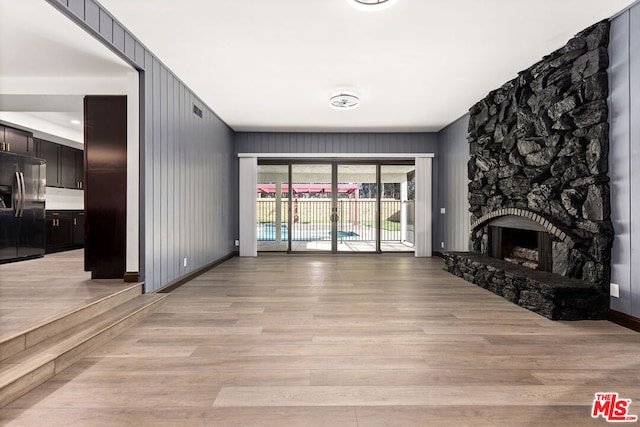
(34,290)
(340,341)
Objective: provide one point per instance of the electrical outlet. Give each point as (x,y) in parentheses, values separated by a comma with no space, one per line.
(614,290)
(237,242)
(443,211)
(185,261)
(442,245)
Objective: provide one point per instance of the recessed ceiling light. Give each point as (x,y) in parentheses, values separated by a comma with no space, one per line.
(76,122)
(371,5)
(344,100)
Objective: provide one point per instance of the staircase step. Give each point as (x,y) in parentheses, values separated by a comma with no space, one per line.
(26,370)
(16,342)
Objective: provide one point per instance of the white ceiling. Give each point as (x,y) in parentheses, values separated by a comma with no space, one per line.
(272,65)
(417,66)
(40,47)
(36,40)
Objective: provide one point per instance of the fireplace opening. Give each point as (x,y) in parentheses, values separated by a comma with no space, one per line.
(520,247)
(529,248)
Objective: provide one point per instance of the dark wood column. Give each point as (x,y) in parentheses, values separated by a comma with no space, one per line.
(105,183)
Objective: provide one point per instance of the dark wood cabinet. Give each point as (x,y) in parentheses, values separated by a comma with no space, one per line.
(80,168)
(64,230)
(50,152)
(17,141)
(65,165)
(106,193)
(77,232)
(68,167)
(58,231)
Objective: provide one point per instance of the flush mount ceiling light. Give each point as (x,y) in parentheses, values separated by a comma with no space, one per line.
(371,5)
(344,100)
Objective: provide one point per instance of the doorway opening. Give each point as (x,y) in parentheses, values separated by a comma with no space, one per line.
(46,103)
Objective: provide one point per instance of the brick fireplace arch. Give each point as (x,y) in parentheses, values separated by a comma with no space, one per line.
(550,227)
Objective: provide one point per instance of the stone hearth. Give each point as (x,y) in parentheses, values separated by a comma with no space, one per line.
(550,295)
(539,150)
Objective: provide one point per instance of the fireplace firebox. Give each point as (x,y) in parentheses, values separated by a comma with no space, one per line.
(520,243)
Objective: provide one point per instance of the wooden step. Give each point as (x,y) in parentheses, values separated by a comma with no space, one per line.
(16,342)
(29,368)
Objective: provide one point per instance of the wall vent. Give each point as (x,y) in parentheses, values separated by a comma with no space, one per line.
(197,111)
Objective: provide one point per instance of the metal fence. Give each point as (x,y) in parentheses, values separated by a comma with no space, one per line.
(311,220)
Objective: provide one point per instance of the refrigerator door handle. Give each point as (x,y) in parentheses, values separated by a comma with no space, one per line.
(24,194)
(18,198)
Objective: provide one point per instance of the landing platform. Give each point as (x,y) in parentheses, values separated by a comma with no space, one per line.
(35,290)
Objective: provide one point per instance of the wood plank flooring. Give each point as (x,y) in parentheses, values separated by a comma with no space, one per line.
(340,341)
(32,291)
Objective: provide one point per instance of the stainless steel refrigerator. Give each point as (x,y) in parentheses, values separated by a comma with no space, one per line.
(22,210)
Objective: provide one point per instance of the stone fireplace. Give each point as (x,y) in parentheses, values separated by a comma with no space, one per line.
(539,188)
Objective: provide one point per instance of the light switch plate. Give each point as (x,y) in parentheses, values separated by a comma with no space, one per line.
(614,290)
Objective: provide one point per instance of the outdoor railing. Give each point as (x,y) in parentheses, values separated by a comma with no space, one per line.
(311,220)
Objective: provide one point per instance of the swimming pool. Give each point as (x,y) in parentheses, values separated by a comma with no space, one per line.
(267,232)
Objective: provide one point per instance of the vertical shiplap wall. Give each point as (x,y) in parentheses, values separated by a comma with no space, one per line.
(276,142)
(188,201)
(454,224)
(190,193)
(624,157)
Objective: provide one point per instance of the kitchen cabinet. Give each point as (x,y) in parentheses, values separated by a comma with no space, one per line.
(77,231)
(64,230)
(65,165)
(106,199)
(58,231)
(50,152)
(16,141)
(80,169)
(68,167)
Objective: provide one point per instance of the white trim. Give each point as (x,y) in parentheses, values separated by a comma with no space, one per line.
(133,173)
(408,156)
(423,244)
(247,205)
(404,211)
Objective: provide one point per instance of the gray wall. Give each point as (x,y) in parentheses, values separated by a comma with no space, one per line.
(624,157)
(275,142)
(453,225)
(188,167)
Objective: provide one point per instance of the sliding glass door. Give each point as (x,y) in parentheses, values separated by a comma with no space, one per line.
(357,208)
(312,208)
(335,207)
(397,207)
(272,210)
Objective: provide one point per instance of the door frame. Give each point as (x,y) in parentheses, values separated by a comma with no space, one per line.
(248,163)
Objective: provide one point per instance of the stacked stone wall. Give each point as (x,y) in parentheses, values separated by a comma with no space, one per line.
(540,143)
